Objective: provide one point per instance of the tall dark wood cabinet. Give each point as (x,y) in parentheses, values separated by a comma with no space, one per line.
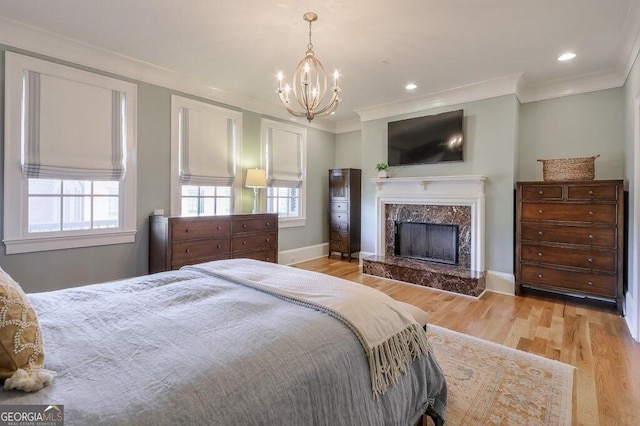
(176,241)
(345,194)
(570,238)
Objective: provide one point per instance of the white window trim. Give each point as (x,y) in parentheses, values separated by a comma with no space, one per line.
(266,124)
(178,102)
(16,238)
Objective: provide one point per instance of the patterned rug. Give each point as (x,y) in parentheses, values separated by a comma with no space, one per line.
(493,384)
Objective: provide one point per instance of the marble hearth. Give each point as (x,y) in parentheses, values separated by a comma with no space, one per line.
(454,200)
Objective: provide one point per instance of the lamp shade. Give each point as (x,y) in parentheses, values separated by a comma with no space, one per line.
(256,178)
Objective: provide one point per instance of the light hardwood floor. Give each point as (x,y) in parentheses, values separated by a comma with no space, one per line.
(593,338)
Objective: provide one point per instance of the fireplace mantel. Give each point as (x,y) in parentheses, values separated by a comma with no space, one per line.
(466,190)
(426,181)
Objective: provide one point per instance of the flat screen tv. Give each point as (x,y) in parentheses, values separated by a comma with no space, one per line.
(426,140)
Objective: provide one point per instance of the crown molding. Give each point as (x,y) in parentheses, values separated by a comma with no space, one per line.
(468,93)
(584,83)
(632,44)
(347,126)
(36,40)
(20,36)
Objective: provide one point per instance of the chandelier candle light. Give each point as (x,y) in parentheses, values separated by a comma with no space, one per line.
(309,84)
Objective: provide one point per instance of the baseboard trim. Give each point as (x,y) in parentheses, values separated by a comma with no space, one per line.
(501,282)
(302,254)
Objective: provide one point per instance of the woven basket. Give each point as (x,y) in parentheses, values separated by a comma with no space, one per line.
(569,168)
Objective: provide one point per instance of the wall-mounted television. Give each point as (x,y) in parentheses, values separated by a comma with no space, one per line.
(426,140)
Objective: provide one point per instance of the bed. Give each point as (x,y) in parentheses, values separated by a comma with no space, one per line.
(197,347)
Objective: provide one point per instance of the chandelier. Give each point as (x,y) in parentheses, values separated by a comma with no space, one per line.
(309,85)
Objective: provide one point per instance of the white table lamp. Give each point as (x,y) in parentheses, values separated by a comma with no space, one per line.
(256,179)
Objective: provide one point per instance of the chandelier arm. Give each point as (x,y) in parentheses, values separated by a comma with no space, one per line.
(333,103)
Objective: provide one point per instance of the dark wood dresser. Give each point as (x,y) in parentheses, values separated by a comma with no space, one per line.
(345,195)
(570,238)
(176,241)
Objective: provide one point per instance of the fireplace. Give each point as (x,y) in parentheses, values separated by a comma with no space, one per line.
(409,211)
(433,242)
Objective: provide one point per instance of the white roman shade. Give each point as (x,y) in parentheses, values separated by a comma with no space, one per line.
(207,147)
(284,168)
(72,129)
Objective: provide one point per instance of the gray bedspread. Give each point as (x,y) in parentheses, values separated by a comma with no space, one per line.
(183,348)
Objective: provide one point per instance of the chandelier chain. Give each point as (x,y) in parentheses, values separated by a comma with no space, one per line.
(310,45)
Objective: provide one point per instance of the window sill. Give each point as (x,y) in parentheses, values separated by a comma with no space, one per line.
(29,245)
(291,222)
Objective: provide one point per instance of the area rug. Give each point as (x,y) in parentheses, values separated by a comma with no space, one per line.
(493,384)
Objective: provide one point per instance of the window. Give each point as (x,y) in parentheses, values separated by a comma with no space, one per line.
(206,200)
(284,201)
(205,153)
(68,205)
(70,176)
(284,151)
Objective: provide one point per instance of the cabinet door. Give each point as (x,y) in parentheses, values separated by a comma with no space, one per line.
(339,185)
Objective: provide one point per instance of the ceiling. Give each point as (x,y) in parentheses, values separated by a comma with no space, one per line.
(236,47)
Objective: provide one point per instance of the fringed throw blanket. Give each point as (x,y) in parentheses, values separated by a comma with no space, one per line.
(391,338)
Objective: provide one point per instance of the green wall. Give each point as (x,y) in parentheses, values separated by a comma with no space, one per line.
(503,139)
(50,270)
(573,126)
(490,138)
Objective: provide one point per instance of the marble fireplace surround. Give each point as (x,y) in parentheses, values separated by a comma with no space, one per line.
(456,199)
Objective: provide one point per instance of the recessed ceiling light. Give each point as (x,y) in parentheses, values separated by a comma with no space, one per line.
(411,86)
(566,56)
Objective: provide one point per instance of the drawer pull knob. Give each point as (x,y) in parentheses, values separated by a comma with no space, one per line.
(539,232)
(244,243)
(268,240)
(187,251)
(539,275)
(244,225)
(590,213)
(218,246)
(539,211)
(540,254)
(219,227)
(591,236)
(540,192)
(186,229)
(590,192)
(590,260)
(268,224)
(590,283)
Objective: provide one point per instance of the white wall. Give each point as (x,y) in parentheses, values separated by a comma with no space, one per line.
(632,175)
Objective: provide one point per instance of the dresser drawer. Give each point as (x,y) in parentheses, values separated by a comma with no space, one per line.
(264,255)
(571,212)
(254,224)
(589,259)
(542,192)
(339,217)
(186,229)
(339,236)
(186,250)
(251,242)
(341,227)
(586,235)
(339,206)
(592,192)
(177,265)
(341,246)
(598,284)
